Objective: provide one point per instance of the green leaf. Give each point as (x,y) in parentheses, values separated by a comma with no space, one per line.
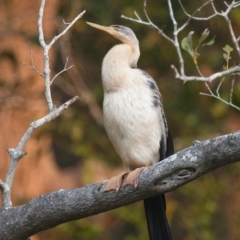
(226,57)
(203,36)
(186,46)
(189,40)
(211,42)
(227,49)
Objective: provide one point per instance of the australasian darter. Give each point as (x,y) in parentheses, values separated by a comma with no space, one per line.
(135,121)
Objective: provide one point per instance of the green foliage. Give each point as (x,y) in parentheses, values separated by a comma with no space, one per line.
(187,44)
(226,55)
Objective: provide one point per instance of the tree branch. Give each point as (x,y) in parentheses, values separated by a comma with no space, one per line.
(67,28)
(184,78)
(64,70)
(17,153)
(180,72)
(191,16)
(32,61)
(52,209)
(46,48)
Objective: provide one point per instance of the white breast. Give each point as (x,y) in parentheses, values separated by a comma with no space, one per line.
(132,122)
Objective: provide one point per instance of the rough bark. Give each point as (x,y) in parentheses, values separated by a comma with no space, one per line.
(51,209)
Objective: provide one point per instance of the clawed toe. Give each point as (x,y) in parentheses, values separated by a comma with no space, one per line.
(127,178)
(132,177)
(115,182)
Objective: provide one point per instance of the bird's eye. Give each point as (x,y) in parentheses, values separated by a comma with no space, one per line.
(116,28)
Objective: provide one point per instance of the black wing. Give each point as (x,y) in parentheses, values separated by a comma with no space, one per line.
(155,207)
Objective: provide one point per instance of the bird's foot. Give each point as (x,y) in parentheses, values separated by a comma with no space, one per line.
(127,178)
(115,182)
(131,178)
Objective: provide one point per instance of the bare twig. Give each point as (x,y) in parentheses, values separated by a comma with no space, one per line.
(231,92)
(85,94)
(32,61)
(209,89)
(180,74)
(149,23)
(67,28)
(46,48)
(199,71)
(192,16)
(223,14)
(236,5)
(213,7)
(219,85)
(217,95)
(176,30)
(145,11)
(34,125)
(206,84)
(135,12)
(17,153)
(64,70)
(230,28)
(214,76)
(222,100)
(66,23)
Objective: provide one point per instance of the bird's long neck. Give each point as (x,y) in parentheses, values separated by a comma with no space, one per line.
(117,63)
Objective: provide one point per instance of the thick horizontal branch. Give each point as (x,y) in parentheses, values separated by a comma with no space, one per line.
(52,209)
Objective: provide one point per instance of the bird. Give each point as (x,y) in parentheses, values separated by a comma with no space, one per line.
(135,121)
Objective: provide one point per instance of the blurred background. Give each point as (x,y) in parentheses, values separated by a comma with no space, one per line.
(74,150)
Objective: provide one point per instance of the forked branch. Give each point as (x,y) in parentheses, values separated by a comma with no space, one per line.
(180,72)
(17,153)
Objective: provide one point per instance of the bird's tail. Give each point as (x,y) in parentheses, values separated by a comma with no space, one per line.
(155,207)
(158,227)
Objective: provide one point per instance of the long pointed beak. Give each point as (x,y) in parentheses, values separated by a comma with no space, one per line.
(103,28)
